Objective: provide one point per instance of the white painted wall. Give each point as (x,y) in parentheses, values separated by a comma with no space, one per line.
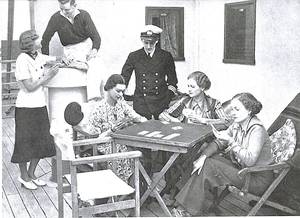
(275,79)
(119,23)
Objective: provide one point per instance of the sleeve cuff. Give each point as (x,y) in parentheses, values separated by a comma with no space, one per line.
(172,88)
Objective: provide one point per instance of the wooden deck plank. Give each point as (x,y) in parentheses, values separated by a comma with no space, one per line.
(155,208)
(45,203)
(48,160)
(8,141)
(17,205)
(145,212)
(234,209)
(223,212)
(6,209)
(241,202)
(27,196)
(9,128)
(46,167)
(7,182)
(37,201)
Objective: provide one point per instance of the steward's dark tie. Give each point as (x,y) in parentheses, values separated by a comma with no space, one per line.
(148,54)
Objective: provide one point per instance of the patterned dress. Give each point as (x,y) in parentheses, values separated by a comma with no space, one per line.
(103,118)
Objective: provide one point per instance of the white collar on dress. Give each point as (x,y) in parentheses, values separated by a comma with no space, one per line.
(75,14)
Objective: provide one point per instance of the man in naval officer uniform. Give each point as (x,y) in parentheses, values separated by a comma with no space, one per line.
(156,79)
(156,84)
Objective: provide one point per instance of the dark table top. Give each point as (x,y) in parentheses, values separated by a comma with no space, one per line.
(158,132)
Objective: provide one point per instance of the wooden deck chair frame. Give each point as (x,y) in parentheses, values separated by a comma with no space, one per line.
(114,206)
(280,171)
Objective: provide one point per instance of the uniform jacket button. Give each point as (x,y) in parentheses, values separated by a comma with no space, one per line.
(144,74)
(144,87)
(156,74)
(144,81)
(156,81)
(156,87)
(145,94)
(156,93)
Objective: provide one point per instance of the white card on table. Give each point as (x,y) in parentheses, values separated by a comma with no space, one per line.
(152,134)
(158,135)
(176,127)
(143,133)
(171,136)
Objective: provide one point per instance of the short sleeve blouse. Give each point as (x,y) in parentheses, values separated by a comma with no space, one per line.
(29,68)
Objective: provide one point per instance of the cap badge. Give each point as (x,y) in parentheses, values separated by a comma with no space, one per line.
(149,33)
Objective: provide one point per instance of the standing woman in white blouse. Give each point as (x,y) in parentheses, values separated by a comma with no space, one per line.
(32,138)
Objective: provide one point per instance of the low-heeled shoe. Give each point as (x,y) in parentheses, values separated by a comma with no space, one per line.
(39,182)
(29,185)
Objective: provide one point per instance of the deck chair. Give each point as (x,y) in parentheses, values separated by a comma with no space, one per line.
(281,154)
(97,184)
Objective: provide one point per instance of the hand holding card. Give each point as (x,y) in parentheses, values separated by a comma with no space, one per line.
(187,112)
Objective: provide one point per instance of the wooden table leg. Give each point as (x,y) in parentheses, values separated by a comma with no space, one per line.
(156,193)
(153,184)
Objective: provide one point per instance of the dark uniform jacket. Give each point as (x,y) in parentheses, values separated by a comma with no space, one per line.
(154,76)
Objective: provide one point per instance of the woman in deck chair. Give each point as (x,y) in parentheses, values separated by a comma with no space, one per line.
(194,107)
(246,143)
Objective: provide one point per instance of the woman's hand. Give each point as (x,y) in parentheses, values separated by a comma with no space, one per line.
(66,60)
(192,116)
(221,134)
(198,164)
(63,60)
(31,85)
(51,72)
(92,54)
(164,116)
(196,119)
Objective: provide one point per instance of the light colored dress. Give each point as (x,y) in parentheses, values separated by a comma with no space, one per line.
(103,118)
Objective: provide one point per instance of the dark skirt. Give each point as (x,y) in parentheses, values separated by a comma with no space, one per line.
(32,138)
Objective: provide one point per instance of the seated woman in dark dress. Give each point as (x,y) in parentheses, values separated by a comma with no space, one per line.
(247,143)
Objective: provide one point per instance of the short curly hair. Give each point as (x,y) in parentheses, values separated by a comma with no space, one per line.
(113,80)
(201,79)
(249,102)
(26,40)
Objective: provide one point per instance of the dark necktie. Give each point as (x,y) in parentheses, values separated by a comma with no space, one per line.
(148,54)
(32,55)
